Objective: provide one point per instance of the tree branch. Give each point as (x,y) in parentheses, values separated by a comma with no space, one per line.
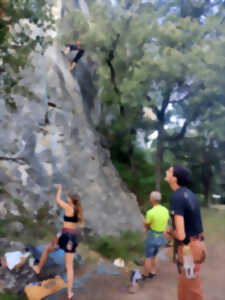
(109,63)
(181,100)
(113,72)
(180,135)
(192,91)
(166,101)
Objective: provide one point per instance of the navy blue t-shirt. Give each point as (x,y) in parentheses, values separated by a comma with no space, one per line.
(185,203)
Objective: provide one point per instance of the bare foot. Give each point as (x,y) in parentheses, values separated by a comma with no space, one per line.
(70,295)
(36,269)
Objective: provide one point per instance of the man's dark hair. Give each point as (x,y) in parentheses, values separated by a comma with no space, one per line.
(182,174)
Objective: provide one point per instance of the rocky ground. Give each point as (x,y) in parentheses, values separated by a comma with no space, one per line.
(162,287)
(97,283)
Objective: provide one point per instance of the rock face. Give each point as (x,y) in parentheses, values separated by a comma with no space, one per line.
(14,281)
(9,281)
(50,140)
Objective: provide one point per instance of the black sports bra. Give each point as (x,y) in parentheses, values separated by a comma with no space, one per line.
(73,219)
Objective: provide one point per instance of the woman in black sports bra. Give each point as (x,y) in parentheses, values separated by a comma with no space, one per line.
(68,238)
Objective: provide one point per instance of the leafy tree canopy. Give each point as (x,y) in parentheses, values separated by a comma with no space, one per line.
(23,25)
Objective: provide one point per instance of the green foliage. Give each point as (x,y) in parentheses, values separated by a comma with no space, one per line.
(128,245)
(12,297)
(3,228)
(19,204)
(32,227)
(2,190)
(165,55)
(18,41)
(42,214)
(154,56)
(140,179)
(214,224)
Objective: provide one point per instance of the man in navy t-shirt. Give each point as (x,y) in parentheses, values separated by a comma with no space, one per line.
(188,227)
(74,47)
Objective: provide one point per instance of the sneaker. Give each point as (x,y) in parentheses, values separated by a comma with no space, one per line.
(151,275)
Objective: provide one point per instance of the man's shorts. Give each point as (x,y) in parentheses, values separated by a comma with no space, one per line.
(153,243)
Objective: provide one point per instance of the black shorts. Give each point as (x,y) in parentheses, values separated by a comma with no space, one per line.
(80,53)
(68,241)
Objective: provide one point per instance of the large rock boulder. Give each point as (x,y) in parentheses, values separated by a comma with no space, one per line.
(14,281)
(50,139)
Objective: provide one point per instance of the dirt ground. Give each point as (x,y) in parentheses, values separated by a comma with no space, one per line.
(162,287)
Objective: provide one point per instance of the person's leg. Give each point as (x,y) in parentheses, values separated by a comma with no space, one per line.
(155,260)
(158,243)
(147,266)
(73,65)
(154,265)
(76,59)
(189,289)
(149,254)
(44,257)
(69,258)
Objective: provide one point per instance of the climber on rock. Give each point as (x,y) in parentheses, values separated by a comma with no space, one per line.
(74,47)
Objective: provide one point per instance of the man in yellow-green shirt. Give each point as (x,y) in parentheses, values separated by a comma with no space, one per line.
(155,222)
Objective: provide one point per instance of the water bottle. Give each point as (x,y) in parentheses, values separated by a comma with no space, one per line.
(188,262)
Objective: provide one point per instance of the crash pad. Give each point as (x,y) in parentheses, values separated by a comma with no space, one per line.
(40,290)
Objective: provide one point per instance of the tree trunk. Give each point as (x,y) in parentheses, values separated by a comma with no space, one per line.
(159,158)
(208,198)
(207,191)
(183,8)
(132,161)
(207,180)
(122,110)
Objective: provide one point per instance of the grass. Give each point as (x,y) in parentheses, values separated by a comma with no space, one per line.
(129,245)
(12,297)
(214,224)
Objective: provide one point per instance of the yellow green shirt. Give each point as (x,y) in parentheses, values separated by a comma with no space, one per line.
(157,217)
